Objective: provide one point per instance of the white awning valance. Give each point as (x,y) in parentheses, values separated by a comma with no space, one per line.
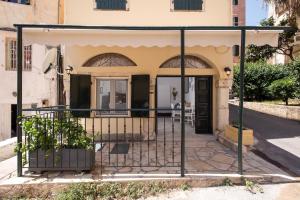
(137,38)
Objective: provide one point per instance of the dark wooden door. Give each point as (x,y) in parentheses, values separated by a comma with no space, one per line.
(203,105)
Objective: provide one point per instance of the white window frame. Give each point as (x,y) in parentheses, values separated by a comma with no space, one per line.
(173,10)
(127,97)
(11,55)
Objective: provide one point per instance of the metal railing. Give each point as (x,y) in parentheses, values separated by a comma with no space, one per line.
(56,140)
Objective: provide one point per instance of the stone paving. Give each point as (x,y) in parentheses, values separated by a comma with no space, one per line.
(204,155)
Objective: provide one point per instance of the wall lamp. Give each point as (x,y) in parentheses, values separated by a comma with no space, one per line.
(227,70)
(68,70)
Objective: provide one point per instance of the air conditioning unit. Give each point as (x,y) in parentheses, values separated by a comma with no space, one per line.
(297,38)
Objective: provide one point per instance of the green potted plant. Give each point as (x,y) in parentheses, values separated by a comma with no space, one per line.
(56,143)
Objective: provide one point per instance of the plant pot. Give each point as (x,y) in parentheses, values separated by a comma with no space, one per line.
(61,160)
(231,133)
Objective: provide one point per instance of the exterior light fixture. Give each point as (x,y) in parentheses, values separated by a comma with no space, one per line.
(227,70)
(69,69)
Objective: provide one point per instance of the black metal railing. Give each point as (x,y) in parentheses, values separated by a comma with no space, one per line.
(56,140)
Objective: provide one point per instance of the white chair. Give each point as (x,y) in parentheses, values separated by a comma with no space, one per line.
(190,115)
(176,114)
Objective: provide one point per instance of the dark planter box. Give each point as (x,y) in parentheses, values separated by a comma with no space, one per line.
(61,160)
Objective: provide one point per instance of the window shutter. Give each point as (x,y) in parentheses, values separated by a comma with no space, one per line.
(80,94)
(140,89)
(236,50)
(180,5)
(111,4)
(195,4)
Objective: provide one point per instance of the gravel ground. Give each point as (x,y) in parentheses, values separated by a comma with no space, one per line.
(269,192)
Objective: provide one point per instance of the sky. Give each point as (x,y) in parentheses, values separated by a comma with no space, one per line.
(255,12)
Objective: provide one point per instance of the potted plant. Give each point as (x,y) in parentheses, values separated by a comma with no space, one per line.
(232,130)
(56,143)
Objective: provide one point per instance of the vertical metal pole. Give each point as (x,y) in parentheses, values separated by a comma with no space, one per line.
(182,61)
(241,106)
(19,97)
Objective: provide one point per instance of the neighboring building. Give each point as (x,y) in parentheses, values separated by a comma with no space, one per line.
(39,89)
(239,12)
(238,19)
(279,13)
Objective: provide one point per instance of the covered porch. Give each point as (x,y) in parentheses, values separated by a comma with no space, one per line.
(141,141)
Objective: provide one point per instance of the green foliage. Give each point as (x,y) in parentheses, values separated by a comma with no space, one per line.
(109,191)
(252,186)
(258,77)
(227,182)
(185,186)
(45,133)
(285,43)
(284,89)
(294,67)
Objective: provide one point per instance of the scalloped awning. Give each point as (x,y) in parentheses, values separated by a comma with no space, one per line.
(137,38)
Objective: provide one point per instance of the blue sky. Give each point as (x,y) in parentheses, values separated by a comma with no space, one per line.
(255,12)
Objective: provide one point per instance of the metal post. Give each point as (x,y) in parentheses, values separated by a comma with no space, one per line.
(182,63)
(19,97)
(241,106)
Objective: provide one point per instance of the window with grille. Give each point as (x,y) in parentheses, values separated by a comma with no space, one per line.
(235,2)
(188,5)
(11,56)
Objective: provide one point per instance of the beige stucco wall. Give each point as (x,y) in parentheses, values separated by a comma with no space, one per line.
(148,61)
(148,13)
(39,11)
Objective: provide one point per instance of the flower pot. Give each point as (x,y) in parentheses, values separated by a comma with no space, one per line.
(231,133)
(61,160)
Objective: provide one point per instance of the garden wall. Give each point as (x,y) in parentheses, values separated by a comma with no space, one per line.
(288,112)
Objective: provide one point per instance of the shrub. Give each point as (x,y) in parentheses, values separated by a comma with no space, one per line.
(294,67)
(284,89)
(49,133)
(258,77)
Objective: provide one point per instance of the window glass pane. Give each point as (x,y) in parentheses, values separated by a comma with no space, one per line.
(103,95)
(112,96)
(121,96)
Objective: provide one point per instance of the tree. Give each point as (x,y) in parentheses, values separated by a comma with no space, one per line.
(285,43)
(284,89)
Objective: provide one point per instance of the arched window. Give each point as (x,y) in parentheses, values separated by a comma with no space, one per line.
(108,60)
(190,62)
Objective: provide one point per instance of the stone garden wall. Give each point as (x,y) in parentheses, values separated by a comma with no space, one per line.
(288,112)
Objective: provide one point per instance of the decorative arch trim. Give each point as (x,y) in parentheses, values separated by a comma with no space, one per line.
(109,60)
(191,61)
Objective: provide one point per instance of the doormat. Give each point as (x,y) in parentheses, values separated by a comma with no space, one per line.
(120,149)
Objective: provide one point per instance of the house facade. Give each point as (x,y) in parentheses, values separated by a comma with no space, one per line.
(39,88)
(113,69)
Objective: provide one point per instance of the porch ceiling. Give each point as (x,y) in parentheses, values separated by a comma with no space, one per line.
(146,38)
